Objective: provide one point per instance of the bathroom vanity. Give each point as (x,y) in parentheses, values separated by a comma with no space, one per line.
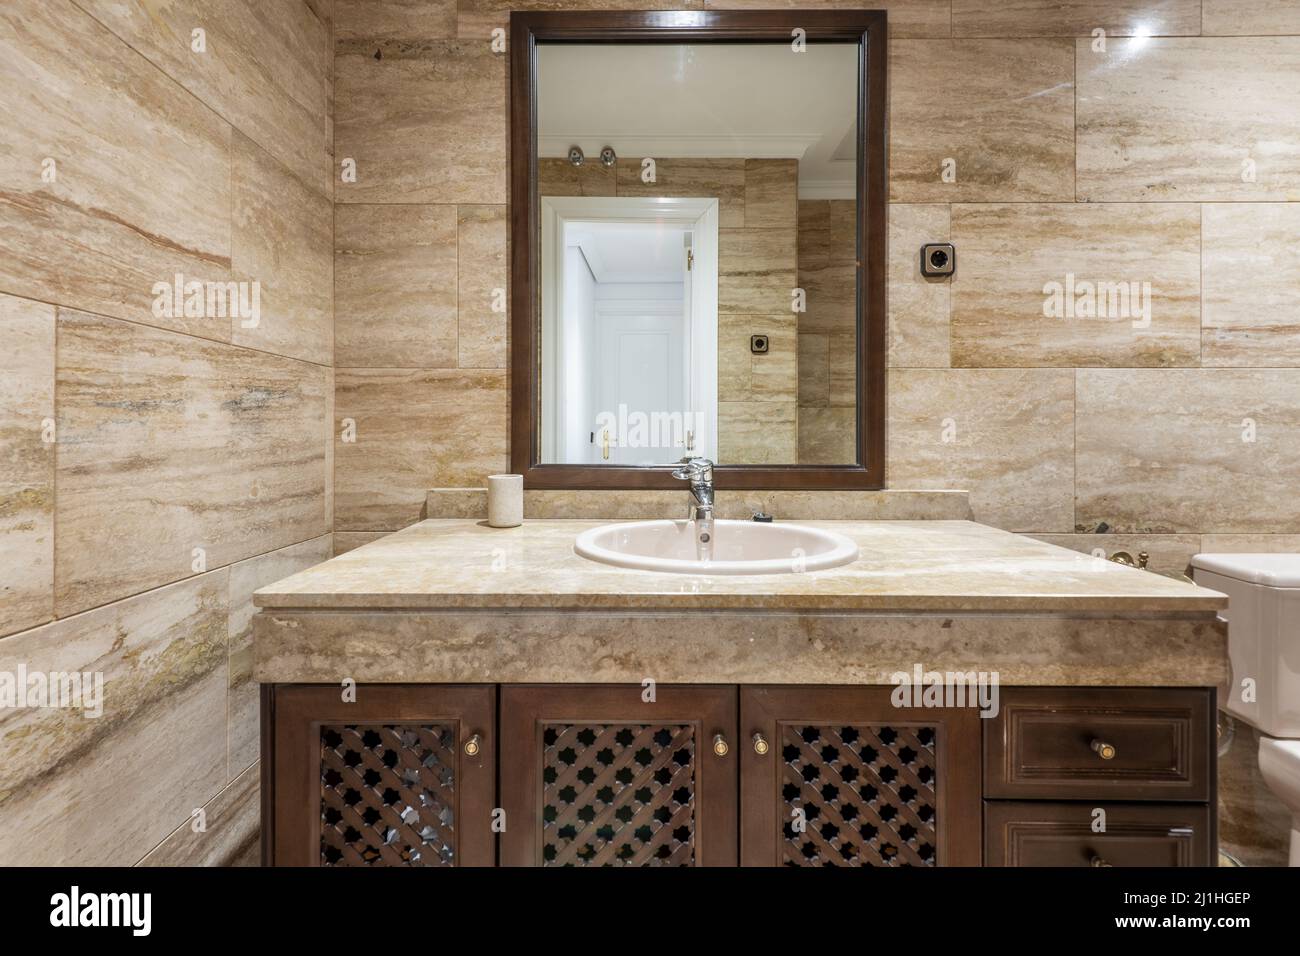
(455,694)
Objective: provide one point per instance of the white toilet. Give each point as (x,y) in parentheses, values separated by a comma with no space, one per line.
(1264,643)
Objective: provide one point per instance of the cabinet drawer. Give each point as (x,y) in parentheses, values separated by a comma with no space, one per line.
(1109,743)
(1060,834)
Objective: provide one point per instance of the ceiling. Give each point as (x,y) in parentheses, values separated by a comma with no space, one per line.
(631,251)
(718,100)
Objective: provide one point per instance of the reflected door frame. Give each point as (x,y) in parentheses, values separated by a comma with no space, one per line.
(700,215)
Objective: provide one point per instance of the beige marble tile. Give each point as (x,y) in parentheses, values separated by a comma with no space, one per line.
(828,231)
(1254,825)
(1019,262)
(1250,543)
(757,433)
(414,430)
(243,705)
(844,370)
(1250,269)
(918,306)
(746,376)
(169,443)
(1065,18)
(559,177)
(902,566)
(395,286)
(1251,18)
(282,239)
(26,464)
(1005,117)
(345,541)
(828,436)
(233,829)
(723,179)
(1188,450)
(827,265)
(1002,434)
(394,20)
(907,18)
(329,436)
(323,10)
(478,18)
(1179,119)
(1166,553)
(425,121)
(482,279)
(1049,650)
(142,171)
(265,68)
(771,193)
(814,370)
(883,505)
(756,271)
(97,791)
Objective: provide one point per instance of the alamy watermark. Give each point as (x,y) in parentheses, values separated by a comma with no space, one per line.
(923,688)
(193,299)
(57,690)
(1084,299)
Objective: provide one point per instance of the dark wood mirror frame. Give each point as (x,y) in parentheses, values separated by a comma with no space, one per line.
(867,29)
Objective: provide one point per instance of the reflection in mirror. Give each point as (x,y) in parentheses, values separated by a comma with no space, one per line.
(698,234)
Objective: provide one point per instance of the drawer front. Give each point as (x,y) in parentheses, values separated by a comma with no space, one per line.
(1061,834)
(1108,743)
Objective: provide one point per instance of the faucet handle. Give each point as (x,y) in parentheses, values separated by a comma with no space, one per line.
(693,469)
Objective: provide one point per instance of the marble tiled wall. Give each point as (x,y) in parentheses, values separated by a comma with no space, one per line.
(155,470)
(1114,164)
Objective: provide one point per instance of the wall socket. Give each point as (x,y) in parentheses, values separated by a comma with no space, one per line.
(938,259)
(758,344)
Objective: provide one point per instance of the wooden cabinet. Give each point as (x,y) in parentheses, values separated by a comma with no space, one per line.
(839,776)
(1139,764)
(402,776)
(1062,834)
(597,775)
(594,775)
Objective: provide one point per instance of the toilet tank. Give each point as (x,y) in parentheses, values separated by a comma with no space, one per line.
(1263,618)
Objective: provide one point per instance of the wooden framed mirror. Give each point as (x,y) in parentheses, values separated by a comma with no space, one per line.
(697,225)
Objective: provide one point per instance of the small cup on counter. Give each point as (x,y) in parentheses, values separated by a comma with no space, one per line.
(505,501)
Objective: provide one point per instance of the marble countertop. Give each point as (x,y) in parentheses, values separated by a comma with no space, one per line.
(904,566)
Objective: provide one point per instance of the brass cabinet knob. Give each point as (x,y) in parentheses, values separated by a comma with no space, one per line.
(1097,861)
(760,744)
(1103,750)
(473,745)
(720,745)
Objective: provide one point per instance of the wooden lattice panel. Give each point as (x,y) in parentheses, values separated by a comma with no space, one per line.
(387,795)
(867,795)
(618,795)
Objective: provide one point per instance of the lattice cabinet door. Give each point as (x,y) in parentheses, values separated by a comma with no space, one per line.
(839,776)
(593,775)
(403,776)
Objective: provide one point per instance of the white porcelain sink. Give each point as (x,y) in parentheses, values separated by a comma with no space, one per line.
(738,547)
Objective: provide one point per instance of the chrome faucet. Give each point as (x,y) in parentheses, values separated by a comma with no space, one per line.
(699,472)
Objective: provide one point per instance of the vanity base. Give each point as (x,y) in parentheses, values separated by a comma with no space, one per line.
(721,775)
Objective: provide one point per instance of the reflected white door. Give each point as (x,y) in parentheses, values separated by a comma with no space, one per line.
(642,369)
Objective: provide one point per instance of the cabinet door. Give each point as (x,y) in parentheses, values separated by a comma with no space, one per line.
(839,776)
(1061,834)
(596,776)
(403,776)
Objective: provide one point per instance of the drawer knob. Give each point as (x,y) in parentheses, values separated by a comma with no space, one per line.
(473,746)
(1097,861)
(760,744)
(1104,750)
(720,745)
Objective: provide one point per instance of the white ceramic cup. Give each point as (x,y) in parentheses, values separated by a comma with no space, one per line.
(505,501)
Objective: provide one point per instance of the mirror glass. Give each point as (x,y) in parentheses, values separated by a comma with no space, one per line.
(698,280)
